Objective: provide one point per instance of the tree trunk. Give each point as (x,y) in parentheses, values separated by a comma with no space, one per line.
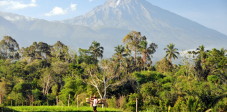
(144,57)
(1,99)
(47,102)
(135,57)
(68,100)
(136,104)
(77,102)
(57,100)
(99,92)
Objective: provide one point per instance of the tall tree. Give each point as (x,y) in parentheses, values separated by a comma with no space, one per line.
(171,52)
(86,57)
(9,48)
(147,50)
(47,81)
(200,52)
(201,69)
(96,50)
(43,50)
(39,50)
(132,40)
(119,54)
(216,62)
(102,78)
(60,51)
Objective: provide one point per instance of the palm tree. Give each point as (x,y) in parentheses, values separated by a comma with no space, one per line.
(200,52)
(171,52)
(201,68)
(96,50)
(132,40)
(119,51)
(147,50)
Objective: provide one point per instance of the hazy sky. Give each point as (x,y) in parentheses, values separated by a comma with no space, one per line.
(210,13)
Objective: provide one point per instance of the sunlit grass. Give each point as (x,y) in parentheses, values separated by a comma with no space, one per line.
(59,108)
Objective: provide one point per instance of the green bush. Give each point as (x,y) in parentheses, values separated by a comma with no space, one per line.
(221,106)
(112,102)
(131,104)
(122,102)
(146,76)
(213,78)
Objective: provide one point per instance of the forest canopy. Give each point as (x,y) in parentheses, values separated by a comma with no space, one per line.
(43,74)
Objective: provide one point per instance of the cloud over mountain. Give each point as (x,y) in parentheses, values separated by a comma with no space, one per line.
(60,11)
(16,4)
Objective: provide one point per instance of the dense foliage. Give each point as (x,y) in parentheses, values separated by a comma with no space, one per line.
(43,74)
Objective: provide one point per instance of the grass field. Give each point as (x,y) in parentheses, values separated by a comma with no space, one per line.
(57,109)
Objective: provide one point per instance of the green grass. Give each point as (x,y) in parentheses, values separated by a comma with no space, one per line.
(59,108)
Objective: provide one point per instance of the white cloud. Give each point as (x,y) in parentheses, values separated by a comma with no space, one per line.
(56,11)
(73,7)
(16,4)
(60,11)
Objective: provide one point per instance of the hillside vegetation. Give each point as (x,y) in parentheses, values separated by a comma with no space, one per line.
(43,74)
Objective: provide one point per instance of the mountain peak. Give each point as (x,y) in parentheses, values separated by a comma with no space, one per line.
(110,22)
(117,13)
(154,22)
(115,3)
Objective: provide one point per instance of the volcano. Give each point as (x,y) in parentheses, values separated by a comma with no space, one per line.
(109,23)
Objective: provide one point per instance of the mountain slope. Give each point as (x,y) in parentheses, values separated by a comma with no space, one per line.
(160,26)
(26,30)
(109,23)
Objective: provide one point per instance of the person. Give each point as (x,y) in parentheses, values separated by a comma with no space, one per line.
(94,104)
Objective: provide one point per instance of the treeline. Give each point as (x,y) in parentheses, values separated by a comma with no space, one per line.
(43,74)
